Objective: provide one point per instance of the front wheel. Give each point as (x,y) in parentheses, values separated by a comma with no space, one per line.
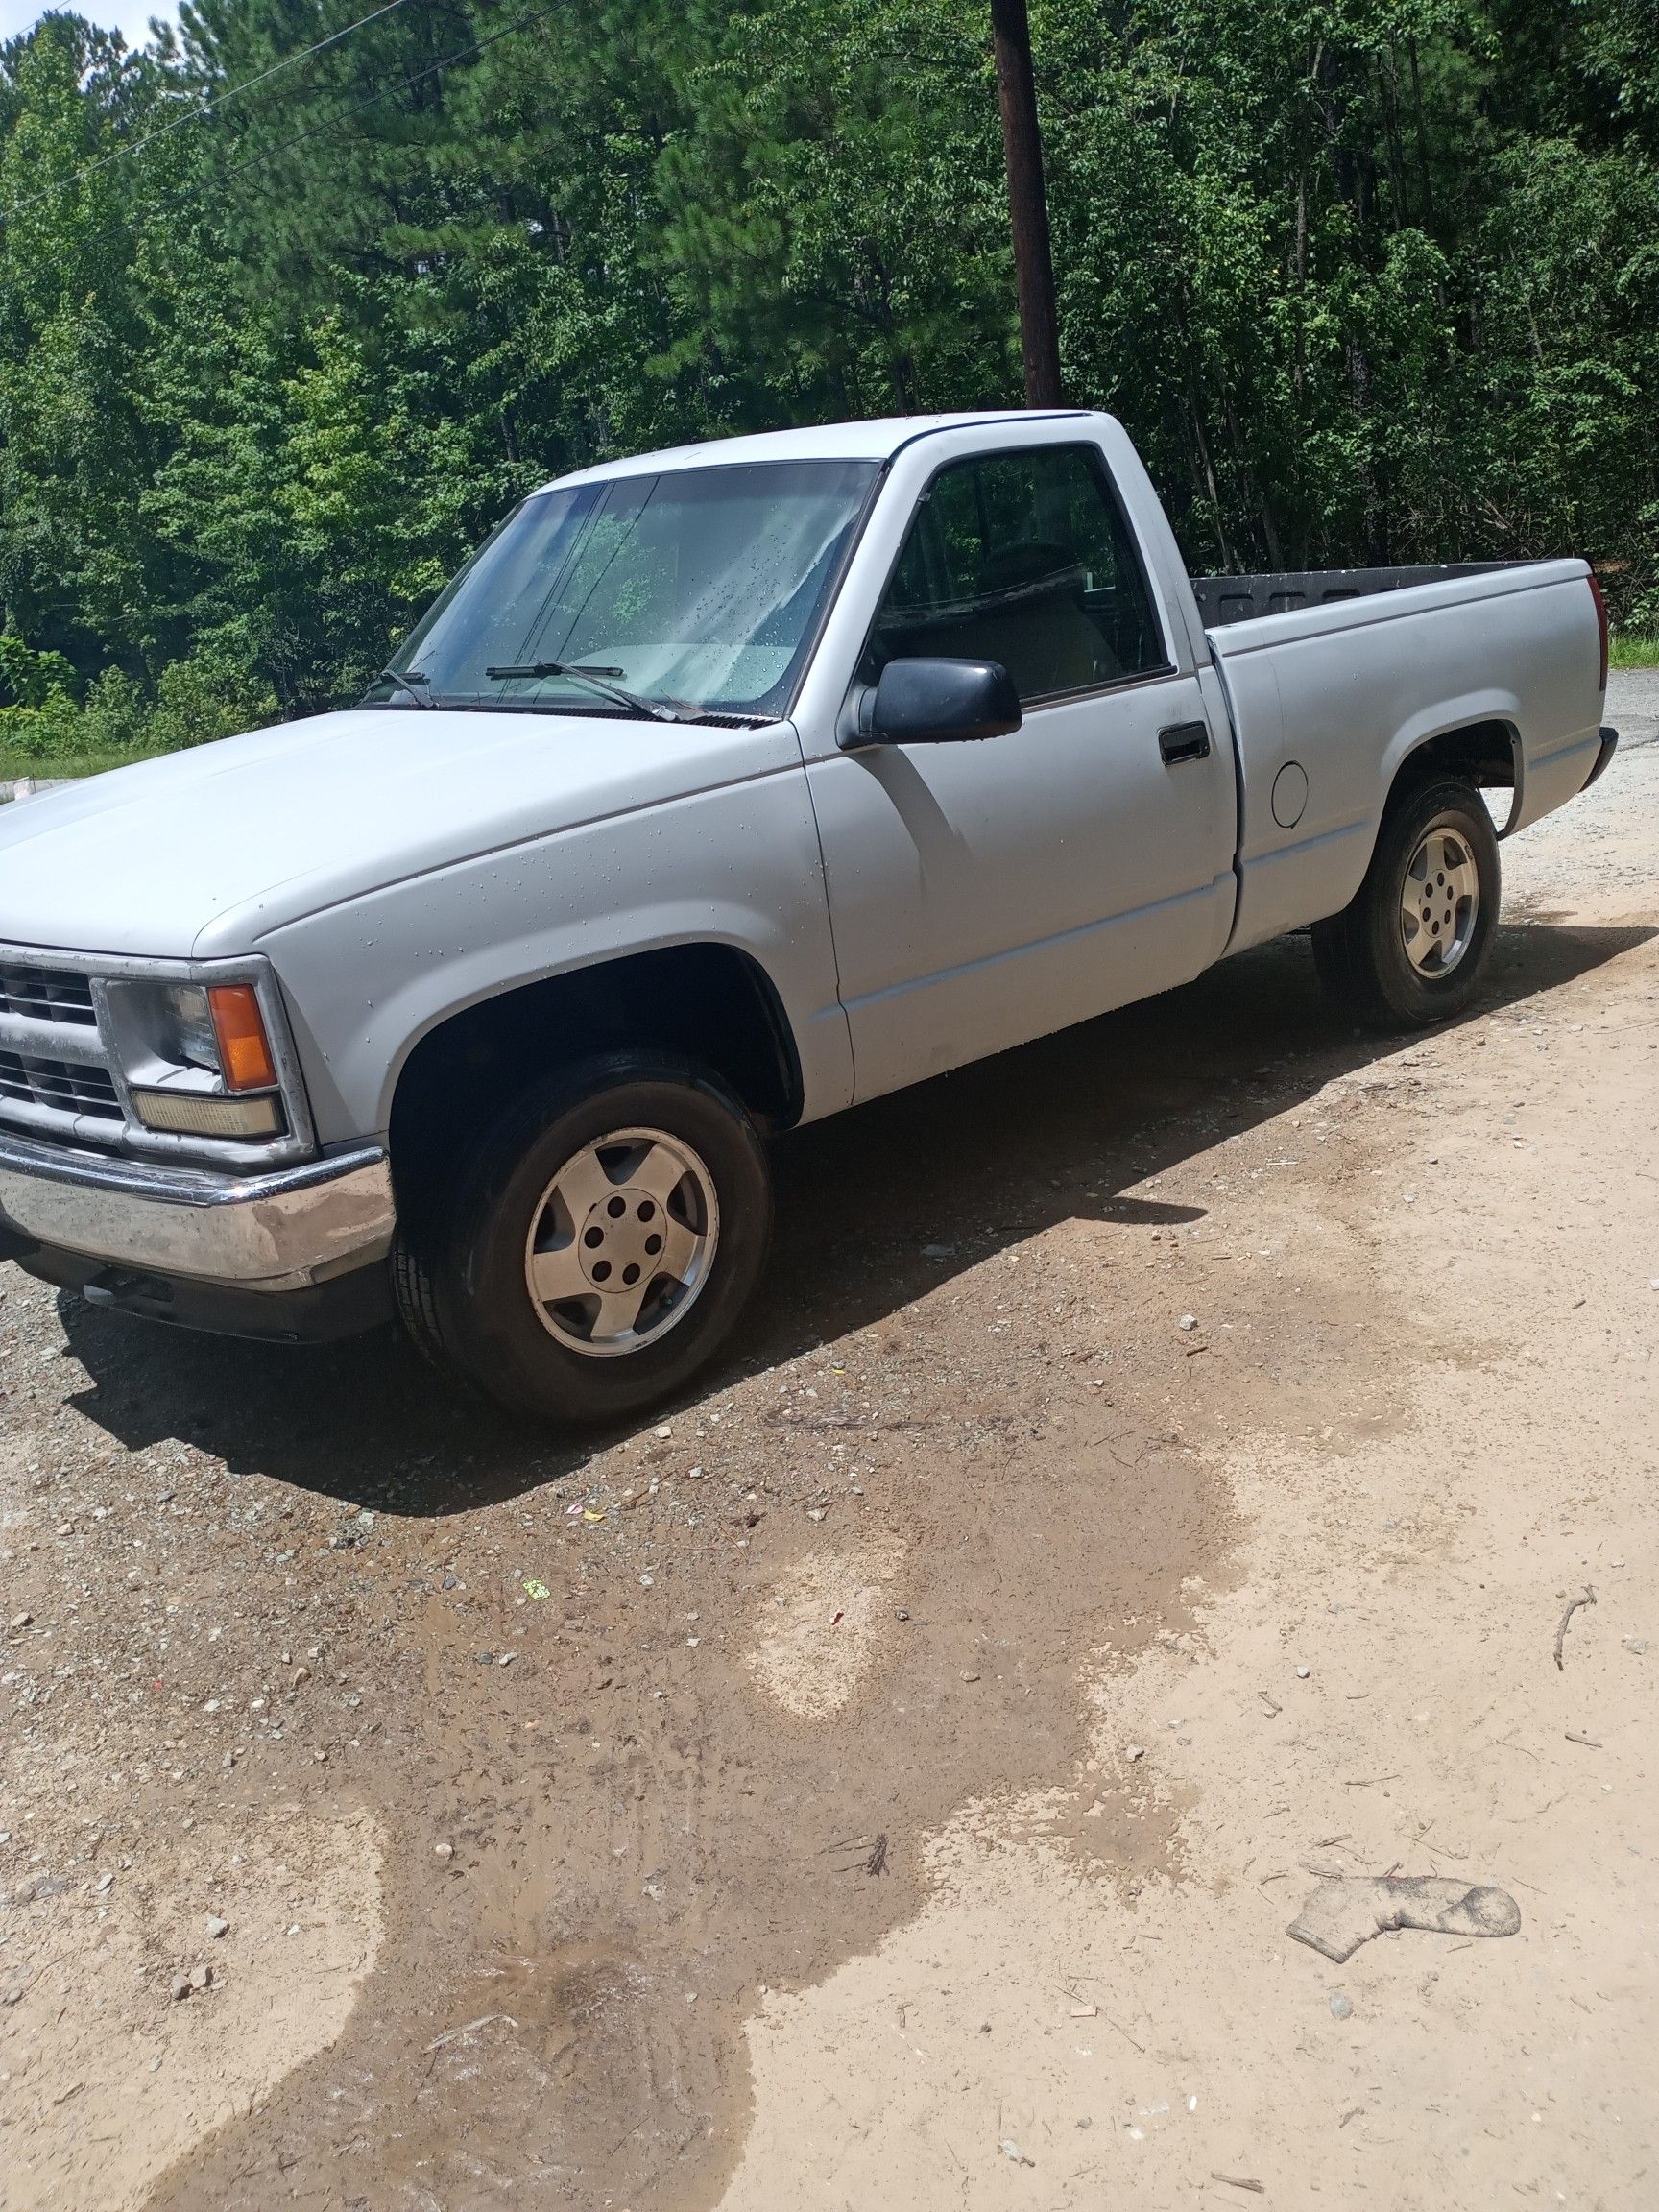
(603,1239)
(1412,947)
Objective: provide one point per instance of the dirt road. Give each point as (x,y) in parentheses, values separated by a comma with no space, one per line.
(1161,1466)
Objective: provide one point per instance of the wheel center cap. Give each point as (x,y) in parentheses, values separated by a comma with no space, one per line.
(621,1241)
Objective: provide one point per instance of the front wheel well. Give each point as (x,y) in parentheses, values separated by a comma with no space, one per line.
(711,1002)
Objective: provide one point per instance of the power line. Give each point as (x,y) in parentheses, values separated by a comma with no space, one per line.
(196,115)
(344,114)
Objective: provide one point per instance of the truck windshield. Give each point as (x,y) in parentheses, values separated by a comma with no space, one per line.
(696,590)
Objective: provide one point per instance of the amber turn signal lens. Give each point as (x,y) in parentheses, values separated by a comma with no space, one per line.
(244,1052)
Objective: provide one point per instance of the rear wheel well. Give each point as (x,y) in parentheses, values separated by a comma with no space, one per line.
(711,1002)
(1481,752)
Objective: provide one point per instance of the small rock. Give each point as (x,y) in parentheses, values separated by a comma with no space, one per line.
(1012,2152)
(105,1883)
(198,1977)
(1303,1673)
(42,1885)
(507,1658)
(181,1986)
(1189,1322)
(1340,2007)
(663,1433)
(21,1620)
(444,1850)
(216,1926)
(967,1677)
(300,1675)
(1136,1751)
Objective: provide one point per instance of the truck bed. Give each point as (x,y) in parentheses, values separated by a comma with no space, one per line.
(1224,599)
(1332,678)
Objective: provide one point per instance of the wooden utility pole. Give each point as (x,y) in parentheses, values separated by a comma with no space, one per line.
(1027,203)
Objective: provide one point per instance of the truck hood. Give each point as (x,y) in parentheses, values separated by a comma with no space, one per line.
(204,851)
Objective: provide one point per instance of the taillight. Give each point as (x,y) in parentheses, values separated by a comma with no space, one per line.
(1601,626)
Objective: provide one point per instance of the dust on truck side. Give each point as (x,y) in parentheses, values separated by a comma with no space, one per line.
(726,788)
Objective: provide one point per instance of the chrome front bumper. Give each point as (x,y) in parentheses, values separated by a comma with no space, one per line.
(286,1230)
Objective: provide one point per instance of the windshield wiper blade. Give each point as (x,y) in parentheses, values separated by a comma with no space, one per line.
(406,680)
(599,680)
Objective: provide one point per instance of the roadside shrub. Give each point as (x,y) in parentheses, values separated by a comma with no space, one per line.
(115,714)
(196,700)
(29,678)
(48,731)
(204,697)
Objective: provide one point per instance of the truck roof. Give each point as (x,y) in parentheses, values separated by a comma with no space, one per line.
(876,441)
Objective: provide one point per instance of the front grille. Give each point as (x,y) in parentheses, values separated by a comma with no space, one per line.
(47,995)
(70,1087)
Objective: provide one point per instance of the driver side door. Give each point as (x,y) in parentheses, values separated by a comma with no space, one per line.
(987,892)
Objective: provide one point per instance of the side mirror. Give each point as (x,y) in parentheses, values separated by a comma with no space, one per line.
(935,701)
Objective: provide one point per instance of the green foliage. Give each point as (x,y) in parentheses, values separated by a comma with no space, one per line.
(205,696)
(28,677)
(1366,279)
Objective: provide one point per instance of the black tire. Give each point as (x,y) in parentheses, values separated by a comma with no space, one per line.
(1361,954)
(460,1267)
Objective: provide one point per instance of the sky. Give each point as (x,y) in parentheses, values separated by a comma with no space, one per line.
(130,17)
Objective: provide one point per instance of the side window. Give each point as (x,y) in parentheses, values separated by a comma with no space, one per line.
(1021,558)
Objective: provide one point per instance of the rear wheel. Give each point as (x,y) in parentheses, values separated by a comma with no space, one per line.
(1412,947)
(601,1243)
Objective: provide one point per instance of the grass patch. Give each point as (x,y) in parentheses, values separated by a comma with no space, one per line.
(16,763)
(1630,649)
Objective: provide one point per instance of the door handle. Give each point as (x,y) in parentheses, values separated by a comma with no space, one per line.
(1184,741)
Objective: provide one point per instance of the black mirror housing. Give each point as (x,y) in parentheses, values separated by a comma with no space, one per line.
(928,702)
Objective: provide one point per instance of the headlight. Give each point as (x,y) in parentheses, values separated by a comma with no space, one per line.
(197,1059)
(186,1026)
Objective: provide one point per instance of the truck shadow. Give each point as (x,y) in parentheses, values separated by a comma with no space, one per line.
(876,1207)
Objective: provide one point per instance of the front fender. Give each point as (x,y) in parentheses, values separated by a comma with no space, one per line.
(740,865)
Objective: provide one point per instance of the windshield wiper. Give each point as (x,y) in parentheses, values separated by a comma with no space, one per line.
(596,679)
(405,679)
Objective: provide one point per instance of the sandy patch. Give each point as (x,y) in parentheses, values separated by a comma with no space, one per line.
(1143,2042)
(105,2077)
(816,1634)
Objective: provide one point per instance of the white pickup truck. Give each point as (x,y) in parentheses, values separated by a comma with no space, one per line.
(722,789)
